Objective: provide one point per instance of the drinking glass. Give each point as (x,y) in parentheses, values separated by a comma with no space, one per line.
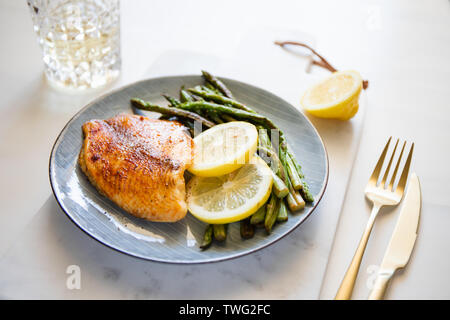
(80,41)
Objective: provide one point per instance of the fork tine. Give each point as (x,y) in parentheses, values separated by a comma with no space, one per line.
(402,182)
(389,164)
(376,172)
(391,184)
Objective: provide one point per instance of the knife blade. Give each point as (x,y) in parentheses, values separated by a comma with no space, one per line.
(403,238)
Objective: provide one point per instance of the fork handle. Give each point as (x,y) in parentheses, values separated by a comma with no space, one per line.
(348,283)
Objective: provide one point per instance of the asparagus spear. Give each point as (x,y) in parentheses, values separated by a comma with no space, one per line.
(305,188)
(173,101)
(294,199)
(282,212)
(140,104)
(219,85)
(185,96)
(290,198)
(247,229)
(292,166)
(271,213)
(278,174)
(209,86)
(220,232)
(299,199)
(212,90)
(291,170)
(279,187)
(258,216)
(292,203)
(195,97)
(214,116)
(220,99)
(207,237)
(206,89)
(227,118)
(208,114)
(199,106)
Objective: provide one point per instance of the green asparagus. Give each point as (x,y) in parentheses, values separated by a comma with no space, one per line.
(185,96)
(214,116)
(258,216)
(239,114)
(282,212)
(207,237)
(291,170)
(247,230)
(227,118)
(141,104)
(271,212)
(206,89)
(294,199)
(209,86)
(219,85)
(305,188)
(173,101)
(220,99)
(220,232)
(265,147)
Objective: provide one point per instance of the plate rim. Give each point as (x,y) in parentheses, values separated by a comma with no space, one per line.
(185,262)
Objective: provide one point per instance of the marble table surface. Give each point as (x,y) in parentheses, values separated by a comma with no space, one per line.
(402,47)
(294,270)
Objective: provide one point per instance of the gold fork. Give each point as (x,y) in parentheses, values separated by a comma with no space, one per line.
(380,196)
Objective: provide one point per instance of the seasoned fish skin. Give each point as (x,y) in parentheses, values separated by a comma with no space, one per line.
(139,163)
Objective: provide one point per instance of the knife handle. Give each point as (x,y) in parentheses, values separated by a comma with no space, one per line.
(381,284)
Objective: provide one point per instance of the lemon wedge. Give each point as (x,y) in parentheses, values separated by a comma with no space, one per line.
(334,97)
(231,197)
(223,148)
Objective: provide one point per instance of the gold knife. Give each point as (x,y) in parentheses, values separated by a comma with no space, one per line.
(402,241)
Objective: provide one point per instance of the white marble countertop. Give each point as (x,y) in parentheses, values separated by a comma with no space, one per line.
(402,47)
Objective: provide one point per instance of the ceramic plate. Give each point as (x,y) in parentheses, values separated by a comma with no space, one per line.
(175,242)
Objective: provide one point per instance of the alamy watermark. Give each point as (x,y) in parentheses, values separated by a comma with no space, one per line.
(373,21)
(372,271)
(73,281)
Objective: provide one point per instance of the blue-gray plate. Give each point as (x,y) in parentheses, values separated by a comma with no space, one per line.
(175,242)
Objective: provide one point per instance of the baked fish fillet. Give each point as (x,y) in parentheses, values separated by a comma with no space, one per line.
(138,163)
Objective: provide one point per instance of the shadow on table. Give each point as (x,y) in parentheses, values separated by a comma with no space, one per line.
(106,273)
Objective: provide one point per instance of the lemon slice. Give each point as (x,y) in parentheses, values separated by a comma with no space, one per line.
(334,97)
(223,148)
(231,197)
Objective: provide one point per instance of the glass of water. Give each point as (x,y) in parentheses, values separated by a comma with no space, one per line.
(80,41)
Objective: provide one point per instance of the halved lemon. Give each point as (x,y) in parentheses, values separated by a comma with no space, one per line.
(334,97)
(231,197)
(223,148)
